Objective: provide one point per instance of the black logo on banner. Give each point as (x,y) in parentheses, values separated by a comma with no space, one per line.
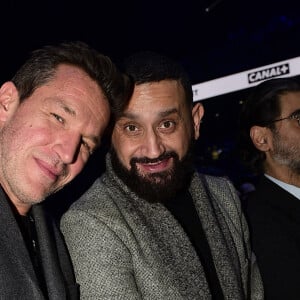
(269,73)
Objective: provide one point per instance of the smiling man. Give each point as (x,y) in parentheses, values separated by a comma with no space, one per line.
(151,151)
(152,227)
(52,117)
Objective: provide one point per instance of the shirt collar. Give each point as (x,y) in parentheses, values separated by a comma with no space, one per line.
(292,189)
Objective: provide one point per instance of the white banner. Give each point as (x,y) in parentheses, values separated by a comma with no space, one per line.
(246,79)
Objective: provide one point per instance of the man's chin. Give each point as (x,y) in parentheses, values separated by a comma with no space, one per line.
(155,178)
(155,187)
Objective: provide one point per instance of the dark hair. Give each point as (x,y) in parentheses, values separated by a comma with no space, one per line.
(42,64)
(261,108)
(148,66)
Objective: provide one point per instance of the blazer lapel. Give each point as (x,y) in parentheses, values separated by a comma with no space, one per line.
(50,261)
(219,239)
(12,244)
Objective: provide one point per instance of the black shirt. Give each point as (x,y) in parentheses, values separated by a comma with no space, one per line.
(183,209)
(27,228)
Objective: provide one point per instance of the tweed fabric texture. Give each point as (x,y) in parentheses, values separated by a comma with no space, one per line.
(126,248)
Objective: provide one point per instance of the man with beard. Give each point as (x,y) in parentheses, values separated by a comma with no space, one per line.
(152,227)
(270,128)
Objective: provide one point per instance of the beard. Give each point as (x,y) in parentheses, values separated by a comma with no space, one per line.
(160,186)
(287,153)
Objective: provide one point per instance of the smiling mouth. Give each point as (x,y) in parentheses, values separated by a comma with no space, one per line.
(155,167)
(48,170)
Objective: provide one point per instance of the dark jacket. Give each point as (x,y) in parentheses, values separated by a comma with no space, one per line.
(17,276)
(274,220)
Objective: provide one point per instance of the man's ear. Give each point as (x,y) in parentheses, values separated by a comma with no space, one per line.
(260,137)
(197,114)
(9,100)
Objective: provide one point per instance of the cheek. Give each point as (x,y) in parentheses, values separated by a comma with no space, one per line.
(124,152)
(24,138)
(124,149)
(180,144)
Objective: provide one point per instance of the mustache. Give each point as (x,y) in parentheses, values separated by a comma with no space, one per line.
(147,160)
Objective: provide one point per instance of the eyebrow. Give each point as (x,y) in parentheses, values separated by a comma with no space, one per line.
(72,113)
(66,108)
(162,114)
(168,112)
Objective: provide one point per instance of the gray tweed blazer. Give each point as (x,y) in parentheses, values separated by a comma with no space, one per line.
(123,247)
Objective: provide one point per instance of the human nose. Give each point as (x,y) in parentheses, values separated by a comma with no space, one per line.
(153,145)
(67,147)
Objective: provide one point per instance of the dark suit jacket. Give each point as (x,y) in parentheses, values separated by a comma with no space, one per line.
(17,276)
(274,220)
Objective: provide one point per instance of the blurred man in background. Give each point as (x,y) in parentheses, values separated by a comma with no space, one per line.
(270,132)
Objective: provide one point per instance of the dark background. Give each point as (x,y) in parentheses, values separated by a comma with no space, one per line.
(232,36)
(210,38)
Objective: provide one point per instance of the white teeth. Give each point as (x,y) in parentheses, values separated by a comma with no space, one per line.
(154,164)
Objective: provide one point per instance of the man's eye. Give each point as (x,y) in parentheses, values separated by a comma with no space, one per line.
(58,118)
(295,116)
(131,128)
(87,147)
(167,124)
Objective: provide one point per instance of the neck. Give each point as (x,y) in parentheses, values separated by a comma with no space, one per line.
(20,208)
(284,174)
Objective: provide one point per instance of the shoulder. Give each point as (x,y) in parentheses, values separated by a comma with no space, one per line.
(95,205)
(223,195)
(92,197)
(216,181)
(221,188)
